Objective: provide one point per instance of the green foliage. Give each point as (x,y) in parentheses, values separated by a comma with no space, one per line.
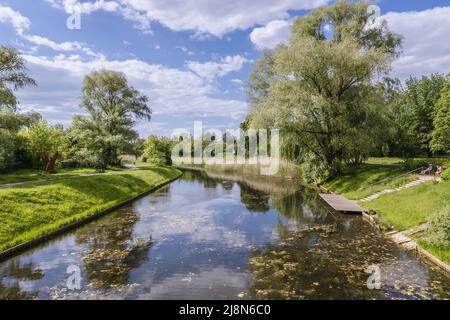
(419,109)
(158,150)
(31,211)
(439,227)
(441,133)
(12,151)
(113,106)
(321,89)
(12,77)
(446,175)
(43,142)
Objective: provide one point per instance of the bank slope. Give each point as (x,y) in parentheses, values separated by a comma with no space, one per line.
(30,211)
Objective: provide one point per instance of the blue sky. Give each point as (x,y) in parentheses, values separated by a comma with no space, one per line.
(191,57)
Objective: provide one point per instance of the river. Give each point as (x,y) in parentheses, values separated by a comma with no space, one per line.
(204,237)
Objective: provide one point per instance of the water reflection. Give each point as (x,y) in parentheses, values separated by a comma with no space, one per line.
(12,274)
(212,237)
(113,250)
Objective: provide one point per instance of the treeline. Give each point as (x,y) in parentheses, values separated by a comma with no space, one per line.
(328,92)
(96,139)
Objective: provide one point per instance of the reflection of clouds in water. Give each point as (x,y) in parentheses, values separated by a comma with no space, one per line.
(200,221)
(197,284)
(219,282)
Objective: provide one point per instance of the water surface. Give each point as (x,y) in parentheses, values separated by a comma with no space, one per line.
(205,237)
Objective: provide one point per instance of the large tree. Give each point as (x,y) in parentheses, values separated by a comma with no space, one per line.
(12,77)
(113,106)
(419,100)
(321,86)
(441,133)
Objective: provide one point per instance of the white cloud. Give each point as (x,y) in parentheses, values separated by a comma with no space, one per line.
(426,45)
(273,33)
(171,91)
(18,22)
(21,23)
(238,82)
(214,17)
(212,69)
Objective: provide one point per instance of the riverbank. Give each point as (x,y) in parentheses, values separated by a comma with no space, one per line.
(34,210)
(404,210)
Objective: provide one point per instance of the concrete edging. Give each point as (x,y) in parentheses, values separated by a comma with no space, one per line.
(11,252)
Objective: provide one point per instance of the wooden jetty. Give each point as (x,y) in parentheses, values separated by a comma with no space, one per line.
(341,204)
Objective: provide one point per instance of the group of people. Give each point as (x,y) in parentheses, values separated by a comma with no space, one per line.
(430,169)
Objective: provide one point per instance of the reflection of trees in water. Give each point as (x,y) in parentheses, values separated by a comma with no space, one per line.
(254,200)
(18,272)
(112,252)
(300,206)
(324,263)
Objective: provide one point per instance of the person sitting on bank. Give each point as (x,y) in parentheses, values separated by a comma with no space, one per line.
(427,170)
(439,171)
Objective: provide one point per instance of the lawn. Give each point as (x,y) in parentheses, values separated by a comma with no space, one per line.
(26,175)
(33,210)
(371,177)
(411,207)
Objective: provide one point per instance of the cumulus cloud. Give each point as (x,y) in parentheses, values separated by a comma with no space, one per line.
(213,17)
(212,69)
(426,48)
(272,34)
(18,21)
(21,24)
(172,91)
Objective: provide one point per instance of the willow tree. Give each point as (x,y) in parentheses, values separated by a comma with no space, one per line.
(13,76)
(113,107)
(321,88)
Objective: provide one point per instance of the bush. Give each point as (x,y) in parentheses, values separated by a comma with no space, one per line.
(446,175)
(439,225)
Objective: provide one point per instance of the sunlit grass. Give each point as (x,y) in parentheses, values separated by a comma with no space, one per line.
(411,207)
(33,210)
(376,175)
(26,175)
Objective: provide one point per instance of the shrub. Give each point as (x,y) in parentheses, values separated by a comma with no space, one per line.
(439,224)
(446,175)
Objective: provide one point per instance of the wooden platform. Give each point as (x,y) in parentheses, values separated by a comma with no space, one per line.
(341,204)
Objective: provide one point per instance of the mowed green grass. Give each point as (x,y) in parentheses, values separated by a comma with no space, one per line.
(412,207)
(33,210)
(27,175)
(368,178)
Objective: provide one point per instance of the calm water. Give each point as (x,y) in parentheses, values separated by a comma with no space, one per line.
(210,238)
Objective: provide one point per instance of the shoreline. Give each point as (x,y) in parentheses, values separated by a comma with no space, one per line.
(18,249)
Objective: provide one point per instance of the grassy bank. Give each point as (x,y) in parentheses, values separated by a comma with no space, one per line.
(412,207)
(33,210)
(27,175)
(371,177)
(403,210)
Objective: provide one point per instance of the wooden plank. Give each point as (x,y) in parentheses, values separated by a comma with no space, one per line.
(340,203)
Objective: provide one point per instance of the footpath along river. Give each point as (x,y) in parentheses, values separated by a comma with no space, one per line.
(212,238)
